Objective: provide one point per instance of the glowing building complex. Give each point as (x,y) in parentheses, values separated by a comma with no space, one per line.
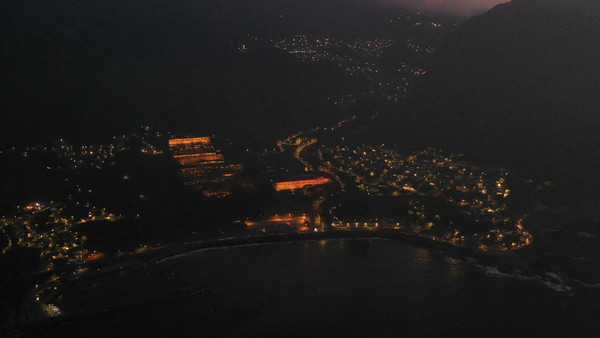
(203,167)
(302,183)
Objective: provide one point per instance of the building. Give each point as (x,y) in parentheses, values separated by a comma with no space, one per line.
(203,167)
(301,183)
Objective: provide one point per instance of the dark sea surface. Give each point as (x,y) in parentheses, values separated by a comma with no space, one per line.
(350,287)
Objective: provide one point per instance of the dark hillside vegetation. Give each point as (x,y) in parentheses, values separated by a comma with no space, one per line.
(520,85)
(83,69)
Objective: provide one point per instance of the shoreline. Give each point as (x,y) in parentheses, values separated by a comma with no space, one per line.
(507,264)
(414,239)
(501,264)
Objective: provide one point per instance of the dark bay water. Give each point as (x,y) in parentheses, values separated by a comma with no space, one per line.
(370,287)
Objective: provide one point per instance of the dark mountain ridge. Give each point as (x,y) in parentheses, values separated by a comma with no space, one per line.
(74,69)
(520,84)
(87,69)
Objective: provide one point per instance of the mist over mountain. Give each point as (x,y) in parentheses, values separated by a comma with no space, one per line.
(520,83)
(466,8)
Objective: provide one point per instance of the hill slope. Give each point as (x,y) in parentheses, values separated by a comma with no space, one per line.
(520,84)
(71,68)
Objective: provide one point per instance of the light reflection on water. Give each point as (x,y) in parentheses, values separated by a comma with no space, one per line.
(455,272)
(347,286)
(322,244)
(422,258)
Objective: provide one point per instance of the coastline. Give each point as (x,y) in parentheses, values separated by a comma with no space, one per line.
(322,235)
(493,264)
(505,264)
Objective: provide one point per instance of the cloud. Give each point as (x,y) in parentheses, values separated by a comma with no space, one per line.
(459,7)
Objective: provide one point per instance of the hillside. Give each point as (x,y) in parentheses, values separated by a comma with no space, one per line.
(520,84)
(75,69)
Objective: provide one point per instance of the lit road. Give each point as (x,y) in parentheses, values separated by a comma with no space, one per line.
(301,148)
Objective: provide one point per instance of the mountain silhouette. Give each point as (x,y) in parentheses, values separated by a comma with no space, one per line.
(520,84)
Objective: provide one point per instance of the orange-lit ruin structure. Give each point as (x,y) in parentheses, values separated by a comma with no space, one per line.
(203,167)
(299,184)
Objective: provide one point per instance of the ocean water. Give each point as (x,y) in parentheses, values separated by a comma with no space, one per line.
(351,288)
